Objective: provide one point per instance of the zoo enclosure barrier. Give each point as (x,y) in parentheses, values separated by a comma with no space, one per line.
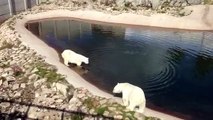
(12,7)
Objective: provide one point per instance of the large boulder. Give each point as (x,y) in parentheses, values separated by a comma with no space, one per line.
(194,2)
(148,3)
(155,3)
(65,89)
(120,3)
(106,2)
(179,3)
(134,2)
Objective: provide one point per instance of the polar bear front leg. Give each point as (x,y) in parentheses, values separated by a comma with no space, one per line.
(142,107)
(125,101)
(66,62)
(78,63)
(125,98)
(131,106)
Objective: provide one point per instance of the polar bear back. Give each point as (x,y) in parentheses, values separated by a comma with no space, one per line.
(74,57)
(134,92)
(132,96)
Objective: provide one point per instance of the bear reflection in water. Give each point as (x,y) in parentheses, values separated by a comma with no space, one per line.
(132,96)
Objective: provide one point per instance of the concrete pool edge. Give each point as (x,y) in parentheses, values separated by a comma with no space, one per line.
(200,19)
(50,54)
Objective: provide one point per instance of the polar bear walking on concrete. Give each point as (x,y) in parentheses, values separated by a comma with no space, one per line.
(132,96)
(70,56)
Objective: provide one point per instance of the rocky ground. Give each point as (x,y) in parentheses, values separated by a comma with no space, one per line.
(145,7)
(30,88)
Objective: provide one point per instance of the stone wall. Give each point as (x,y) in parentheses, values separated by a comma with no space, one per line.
(146,3)
(158,3)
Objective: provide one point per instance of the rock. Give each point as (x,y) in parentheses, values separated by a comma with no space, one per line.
(106,113)
(73,100)
(155,3)
(66,90)
(194,2)
(1,82)
(92,111)
(5,74)
(23,85)
(59,101)
(16,70)
(32,115)
(39,82)
(111,100)
(1,70)
(8,72)
(5,84)
(184,4)
(5,104)
(37,95)
(112,108)
(139,115)
(119,117)
(47,118)
(80,95)
(52,106)
(18,94)
(10,79)
(33,77)
(103,101)
(15,87)
(61,87)
(12,110)
(46,91)
(109,9)
(134,3)
(185,12)
(120,3)
(84,109)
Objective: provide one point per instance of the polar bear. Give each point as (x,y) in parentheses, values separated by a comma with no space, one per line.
(70,56)
(132,96)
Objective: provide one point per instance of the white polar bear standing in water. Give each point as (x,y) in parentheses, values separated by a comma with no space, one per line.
(132,96)
(70,56)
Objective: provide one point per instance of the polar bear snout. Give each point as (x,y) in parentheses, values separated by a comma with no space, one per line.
(117,89)
(86,61)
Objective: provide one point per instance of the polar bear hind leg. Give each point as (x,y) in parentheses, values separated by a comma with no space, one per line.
(131,106)
(142,107)
(125,99)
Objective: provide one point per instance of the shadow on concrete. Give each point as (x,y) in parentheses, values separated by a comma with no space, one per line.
(24,115)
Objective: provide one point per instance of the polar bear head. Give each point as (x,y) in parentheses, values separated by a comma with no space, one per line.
(118,88)
(86,60)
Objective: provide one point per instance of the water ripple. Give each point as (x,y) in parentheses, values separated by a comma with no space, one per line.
(162,80)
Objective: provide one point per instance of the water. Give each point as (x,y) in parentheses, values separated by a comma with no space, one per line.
(173,67)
